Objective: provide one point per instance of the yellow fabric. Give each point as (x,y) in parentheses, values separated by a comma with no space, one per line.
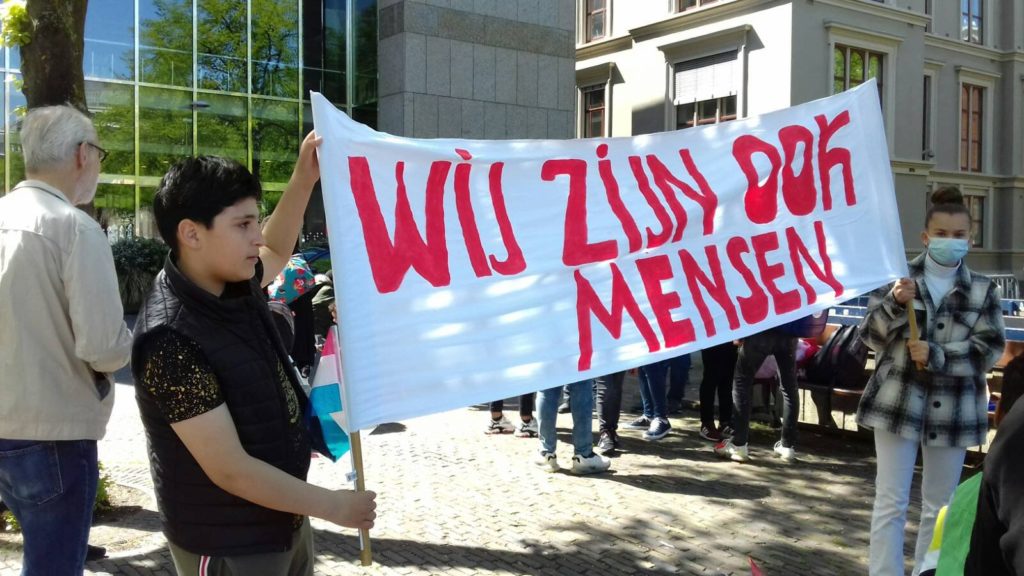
(940,524)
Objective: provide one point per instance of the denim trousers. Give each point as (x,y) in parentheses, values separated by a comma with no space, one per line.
(51,488)
(608,389)
(653,390)
(719,367)
(751,355)
(896,456)
(581,402)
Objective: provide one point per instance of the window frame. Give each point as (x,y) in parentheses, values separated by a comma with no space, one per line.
(593,77)
(866,54)
(673,63)
(978,225)
(587,18)
(586,110)
(987,81)
(885,45)
(972,121)
(927,111)
(678,5)
(719,118)
(967,12)
(929,127)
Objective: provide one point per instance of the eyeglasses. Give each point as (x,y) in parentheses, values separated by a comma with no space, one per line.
(103,152)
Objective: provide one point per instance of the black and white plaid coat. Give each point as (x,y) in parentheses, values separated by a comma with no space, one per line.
(965,335)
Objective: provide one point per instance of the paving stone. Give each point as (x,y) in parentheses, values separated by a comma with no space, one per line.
(453,500)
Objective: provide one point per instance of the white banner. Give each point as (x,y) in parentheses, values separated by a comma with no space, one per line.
(468,271)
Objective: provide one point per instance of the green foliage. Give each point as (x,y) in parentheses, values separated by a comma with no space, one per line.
(15,25)
(102,494)
(137,261)
(321,266)
(9,523)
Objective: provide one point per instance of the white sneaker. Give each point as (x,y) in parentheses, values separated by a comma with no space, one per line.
(547,461)
(527,429)
(786,453)
(499,426)
(593,464)
(726,449)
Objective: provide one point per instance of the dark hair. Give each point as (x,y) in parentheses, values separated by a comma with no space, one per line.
(199,189)
(946,200)
(1013,386)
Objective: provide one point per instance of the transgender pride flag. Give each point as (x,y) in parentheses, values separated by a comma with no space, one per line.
(325,402)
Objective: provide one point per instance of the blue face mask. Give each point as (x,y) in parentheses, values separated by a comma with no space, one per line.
(947,251)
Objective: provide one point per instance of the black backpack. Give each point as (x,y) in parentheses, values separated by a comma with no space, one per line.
(840,362)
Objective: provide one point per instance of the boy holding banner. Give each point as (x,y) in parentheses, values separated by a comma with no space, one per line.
(221,405)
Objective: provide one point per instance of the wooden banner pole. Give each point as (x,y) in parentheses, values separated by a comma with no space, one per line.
(356,446)
(365,550)
(915,335)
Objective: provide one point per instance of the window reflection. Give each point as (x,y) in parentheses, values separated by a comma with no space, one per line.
(221,45)
(115,210)
(15,110)
(165,128)
(3,138)
(366,53)
(109,38)
(223,127)
(113,108)
(145,224)
(165,42)
(275,139)
(275,48)
(179,100)
(324,51)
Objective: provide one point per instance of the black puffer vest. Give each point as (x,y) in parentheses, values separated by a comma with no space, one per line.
(243,348)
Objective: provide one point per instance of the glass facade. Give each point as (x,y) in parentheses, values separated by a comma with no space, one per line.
(172,78)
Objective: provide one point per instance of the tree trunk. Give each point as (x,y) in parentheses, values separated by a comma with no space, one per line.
(51,61)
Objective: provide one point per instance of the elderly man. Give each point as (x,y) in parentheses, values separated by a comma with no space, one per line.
(62,333)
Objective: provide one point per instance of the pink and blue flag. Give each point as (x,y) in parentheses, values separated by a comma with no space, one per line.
(326,404)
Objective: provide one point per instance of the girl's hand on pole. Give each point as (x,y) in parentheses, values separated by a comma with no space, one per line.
(918,352)
(904,291)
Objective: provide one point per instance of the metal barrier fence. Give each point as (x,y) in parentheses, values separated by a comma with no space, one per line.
(1009,285)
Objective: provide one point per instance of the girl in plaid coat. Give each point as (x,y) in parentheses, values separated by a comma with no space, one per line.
(931,392)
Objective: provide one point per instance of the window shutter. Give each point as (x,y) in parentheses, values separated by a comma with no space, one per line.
(706,78)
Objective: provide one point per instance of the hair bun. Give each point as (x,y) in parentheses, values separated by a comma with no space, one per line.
(947,195)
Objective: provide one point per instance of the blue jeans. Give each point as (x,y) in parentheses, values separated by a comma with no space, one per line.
(581,400)
(51,488)
(652,389)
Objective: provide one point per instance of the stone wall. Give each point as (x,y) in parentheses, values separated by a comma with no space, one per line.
(491,69)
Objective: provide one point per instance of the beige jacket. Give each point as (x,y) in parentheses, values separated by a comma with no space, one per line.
(61,323)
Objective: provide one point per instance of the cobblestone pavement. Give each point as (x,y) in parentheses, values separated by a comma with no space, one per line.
(453,500)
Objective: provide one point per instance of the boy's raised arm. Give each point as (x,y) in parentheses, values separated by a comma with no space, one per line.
(282,227)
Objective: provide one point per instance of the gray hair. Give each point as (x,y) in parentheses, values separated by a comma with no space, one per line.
(50,135)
